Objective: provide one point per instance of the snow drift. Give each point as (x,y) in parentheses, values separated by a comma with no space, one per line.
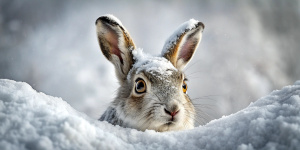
(32,120)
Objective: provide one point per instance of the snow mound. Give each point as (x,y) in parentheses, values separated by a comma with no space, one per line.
(32,120)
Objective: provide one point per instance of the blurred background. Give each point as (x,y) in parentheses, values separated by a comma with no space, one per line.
(249,48)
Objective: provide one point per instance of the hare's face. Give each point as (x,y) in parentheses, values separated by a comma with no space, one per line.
(152,93)
(158,97)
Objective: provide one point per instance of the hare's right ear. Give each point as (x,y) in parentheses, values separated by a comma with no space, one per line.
(116,44)
(181,46)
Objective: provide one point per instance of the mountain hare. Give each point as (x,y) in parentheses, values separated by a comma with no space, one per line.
(153,90)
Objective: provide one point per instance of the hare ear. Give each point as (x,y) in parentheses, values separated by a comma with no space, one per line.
(181,46)
(116,44)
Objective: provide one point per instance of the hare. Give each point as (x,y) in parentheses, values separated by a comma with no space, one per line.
(153,89)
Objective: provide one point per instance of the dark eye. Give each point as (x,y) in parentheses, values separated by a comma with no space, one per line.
(184,87)
(140,86)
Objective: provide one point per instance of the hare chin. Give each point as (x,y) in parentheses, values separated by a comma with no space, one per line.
(172,126)
(162,126)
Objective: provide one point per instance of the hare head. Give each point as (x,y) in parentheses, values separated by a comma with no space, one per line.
(153,90)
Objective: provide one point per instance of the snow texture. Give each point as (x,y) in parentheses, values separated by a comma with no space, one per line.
(151,64)
(32,120)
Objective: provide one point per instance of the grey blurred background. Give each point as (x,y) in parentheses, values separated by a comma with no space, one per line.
(249,48)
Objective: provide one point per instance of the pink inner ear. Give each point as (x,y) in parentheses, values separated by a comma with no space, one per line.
(187,49)
(112,38)
(116,51)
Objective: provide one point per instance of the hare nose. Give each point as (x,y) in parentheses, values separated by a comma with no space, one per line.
(172,113)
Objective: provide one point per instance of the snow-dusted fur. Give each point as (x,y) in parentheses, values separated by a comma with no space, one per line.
(152,92)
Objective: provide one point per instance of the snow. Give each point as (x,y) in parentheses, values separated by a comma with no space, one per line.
(184,27)
(240,50)
(151,64)
(32,120)
(112,17)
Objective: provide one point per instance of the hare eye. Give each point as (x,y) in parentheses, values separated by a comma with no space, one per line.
(184,87)
(140,86)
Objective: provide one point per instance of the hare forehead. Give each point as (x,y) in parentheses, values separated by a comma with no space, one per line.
(162,80)
(157,66)
(158,71)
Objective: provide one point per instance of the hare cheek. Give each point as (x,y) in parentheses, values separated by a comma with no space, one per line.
(135,104)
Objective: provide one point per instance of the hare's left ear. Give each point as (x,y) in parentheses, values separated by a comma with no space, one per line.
(181,46)
(116,44)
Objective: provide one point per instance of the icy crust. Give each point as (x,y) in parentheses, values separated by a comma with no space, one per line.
(32,120)
(172,40)
(151,64)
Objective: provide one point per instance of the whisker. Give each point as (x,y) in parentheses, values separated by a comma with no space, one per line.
(205,106)
(203,115)
(199,116)
(191,65)
(189,113)
(192,117)
(193,73)
(209,96)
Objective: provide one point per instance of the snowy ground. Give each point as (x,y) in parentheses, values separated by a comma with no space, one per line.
(248,48)
(32,120)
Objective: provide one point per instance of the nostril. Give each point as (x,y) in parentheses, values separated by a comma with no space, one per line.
(171,113)
(167,111)
(174,113)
